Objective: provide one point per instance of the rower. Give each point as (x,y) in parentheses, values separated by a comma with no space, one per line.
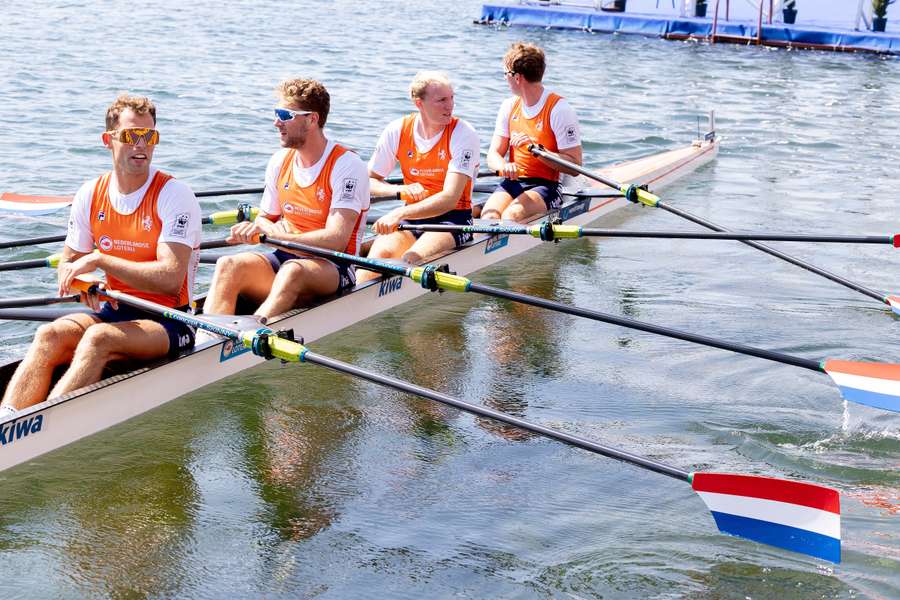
(316,193)
(439,157)
(146,226)
(533,115)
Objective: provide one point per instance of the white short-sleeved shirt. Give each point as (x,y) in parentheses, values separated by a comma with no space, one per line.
(563,120)
(349,181)
(176,199)
(463,145)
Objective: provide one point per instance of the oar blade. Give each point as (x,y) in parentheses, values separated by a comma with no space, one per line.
(20,204)
(872,384)
(793,515)
(894,302)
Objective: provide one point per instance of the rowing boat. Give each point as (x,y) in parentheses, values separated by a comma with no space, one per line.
(60,421)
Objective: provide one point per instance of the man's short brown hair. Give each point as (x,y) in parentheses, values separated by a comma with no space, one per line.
(527,60)
(306,94)
(139,105)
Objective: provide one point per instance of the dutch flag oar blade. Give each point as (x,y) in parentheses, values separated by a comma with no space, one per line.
(873,384)
(797,516)
(894,302)
(19,204)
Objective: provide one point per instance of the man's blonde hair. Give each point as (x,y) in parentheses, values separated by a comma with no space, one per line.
(425,78)
(139,105)
(307,94)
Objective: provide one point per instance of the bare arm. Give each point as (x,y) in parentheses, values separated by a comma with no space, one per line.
(496,157)
(439,203)
(379,188)
(164,275)
(570,154)
(334,236)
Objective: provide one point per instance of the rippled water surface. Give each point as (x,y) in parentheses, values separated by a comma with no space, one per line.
(294,482)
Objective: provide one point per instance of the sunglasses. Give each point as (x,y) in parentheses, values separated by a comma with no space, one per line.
(509,73)
(284,114)
(133,135)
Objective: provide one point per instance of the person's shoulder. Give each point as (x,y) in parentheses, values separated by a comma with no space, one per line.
(176,187)
(507,104)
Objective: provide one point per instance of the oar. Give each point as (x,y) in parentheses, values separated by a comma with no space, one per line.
(793,515)
(636,194)
(52,261)
(40,314)
(38,301)
(35,205)
(243,212)
(548,231)
(872,384)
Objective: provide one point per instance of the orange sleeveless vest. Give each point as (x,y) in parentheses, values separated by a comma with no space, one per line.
(307,208)
(132,237)
(538,129)
(429,168)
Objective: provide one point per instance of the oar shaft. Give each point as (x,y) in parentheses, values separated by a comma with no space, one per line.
(489,413)
(38,301)
(32,241)
(777,253)
(788,359)
(18,265)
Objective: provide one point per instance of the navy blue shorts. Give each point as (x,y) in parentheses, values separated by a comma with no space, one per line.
(452,217)
(549,190)
(346,273)
(181,335)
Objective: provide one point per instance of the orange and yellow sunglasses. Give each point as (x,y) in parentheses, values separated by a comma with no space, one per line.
(133,135)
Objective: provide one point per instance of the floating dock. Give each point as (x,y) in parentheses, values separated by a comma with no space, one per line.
(805,34)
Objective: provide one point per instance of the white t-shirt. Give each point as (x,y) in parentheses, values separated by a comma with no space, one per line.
(175,200)
(463,146)
(563,120)
(349,181)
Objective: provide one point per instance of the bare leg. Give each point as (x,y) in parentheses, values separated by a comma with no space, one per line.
(392,245)
(103,342)
(495,205)
(431,243)
(247,274)
(299,281)
(53,345)
(527,206)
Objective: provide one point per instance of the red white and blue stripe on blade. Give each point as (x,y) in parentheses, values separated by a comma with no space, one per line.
(894,302)
(796,516)
(872,384)
(19,204)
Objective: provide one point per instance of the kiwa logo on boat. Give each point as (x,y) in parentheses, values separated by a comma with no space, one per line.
(16,430)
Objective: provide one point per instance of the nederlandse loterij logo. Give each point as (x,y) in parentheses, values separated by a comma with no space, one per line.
(105,243)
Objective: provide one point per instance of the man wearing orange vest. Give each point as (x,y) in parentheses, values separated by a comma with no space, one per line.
(146,227)
(533,115)
(316,193)
(438,155)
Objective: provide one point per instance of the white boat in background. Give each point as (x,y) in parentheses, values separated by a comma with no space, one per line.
(60,421)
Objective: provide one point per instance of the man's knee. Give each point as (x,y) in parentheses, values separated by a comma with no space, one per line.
(97,342)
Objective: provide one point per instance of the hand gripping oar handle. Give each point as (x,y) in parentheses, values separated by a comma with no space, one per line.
(631,192)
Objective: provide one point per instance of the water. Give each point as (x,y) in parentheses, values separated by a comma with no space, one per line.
(293,482)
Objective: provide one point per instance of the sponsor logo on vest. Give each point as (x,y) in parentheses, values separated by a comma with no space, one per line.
(579,207)
(106,243)
(16,430)
(540,125)
(414,172)
(101,215)
(391,285)
(287,184)
(288,208)
(495,243)
(409,154)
